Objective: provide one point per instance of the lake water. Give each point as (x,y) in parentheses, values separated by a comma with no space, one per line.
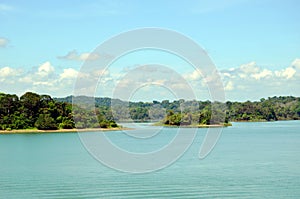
(250,160)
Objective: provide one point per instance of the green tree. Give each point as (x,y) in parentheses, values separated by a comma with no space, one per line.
(30,104)
(45,122)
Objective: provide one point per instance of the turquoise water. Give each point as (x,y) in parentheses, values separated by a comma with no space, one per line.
(251,160)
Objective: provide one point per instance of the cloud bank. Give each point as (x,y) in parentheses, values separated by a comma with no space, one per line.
(251,82)
(245,82)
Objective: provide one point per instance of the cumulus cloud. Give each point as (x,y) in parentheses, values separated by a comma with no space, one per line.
(69,73)
(258,82)
(45,69)
(252,71)
(3,42)
(7,71)
(262,74)
(75,56)
(249,68)
(195,75)
(41,79)
(248,81)
(287,73)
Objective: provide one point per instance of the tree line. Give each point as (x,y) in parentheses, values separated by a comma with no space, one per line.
(198,112)
(32,110)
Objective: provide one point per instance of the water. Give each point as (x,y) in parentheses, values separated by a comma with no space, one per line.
(251,160)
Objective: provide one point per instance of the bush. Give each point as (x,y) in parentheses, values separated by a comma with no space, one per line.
(113,124)
(104,124)
(66,124)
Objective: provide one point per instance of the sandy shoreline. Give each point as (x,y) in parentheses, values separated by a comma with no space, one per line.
(32,131)
(24,131)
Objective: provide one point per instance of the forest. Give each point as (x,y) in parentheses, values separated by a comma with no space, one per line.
(34,111)
(181,112)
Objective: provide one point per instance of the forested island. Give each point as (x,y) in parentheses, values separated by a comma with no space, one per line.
(34,111)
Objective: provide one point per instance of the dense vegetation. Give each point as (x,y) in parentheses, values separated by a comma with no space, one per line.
(42,112)
(199,112)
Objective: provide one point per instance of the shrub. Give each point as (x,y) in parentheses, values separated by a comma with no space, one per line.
(104,124)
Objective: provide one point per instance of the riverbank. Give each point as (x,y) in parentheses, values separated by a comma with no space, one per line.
(30,131)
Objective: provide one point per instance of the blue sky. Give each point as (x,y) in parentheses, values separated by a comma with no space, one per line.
(254,44)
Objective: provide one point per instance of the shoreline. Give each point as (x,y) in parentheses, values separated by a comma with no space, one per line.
(102,130)
(36,131)
(195,126)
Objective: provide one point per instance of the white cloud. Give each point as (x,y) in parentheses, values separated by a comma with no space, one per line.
(3,42)
(9,75)
(89,56)
(195,75)
(42,79)
(69,73)
(226,74)
(262,74)
(7,71)
(249,68)
(286,73)
(229,86)
(250,71)
(75,56)
(247,81)
(250,81)
(45,69)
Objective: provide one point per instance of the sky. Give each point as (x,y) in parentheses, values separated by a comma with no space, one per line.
(254,44)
